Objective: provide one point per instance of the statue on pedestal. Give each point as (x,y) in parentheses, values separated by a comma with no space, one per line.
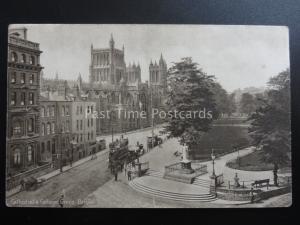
(185,163)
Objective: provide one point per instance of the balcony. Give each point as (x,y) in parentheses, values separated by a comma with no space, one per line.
(23,43)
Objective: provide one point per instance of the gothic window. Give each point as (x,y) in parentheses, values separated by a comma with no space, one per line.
(31,79)
(48,111)
(13,77)
(23,59)
(53,127)
(42,111)
(88,136)
(23,78)
(52,111)
(43,147)
(63,143)
(13,98)
(48,128)
(63,110)
(29,154)
(43,129)
(77,124)
(67,110)
(48,146)
(53,146)
(80,109)
(92,122)
(88,122)
(80,137)
(22,98)
(31,98)
(80,124)
(17,157)
(30,125)
(63,127)
(32,60)
(92,135)
(68,126)
(88,109)
(17,128)
(14,57)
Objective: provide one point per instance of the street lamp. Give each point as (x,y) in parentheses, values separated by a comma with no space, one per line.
(239,162)
(213,157)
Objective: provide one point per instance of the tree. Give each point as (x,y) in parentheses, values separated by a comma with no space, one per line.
(231,103)
(271,125)
(247,103)
(221,97)
(189,89)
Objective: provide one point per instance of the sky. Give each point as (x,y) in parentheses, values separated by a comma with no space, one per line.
(238,56)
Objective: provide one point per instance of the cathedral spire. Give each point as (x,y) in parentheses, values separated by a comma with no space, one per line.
(111,41)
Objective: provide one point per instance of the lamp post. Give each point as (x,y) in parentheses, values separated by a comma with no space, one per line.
(239,162)
(213,163)
(60,164)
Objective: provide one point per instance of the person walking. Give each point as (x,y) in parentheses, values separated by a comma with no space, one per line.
(116,174)
(125,168)
(61,201)
(129,175)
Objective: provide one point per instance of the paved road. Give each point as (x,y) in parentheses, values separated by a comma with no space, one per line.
(76,183)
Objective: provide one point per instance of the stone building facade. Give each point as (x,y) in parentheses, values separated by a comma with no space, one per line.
(22,136)
(48,130)
(83,126)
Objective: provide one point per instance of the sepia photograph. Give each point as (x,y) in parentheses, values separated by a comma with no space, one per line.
(148,116)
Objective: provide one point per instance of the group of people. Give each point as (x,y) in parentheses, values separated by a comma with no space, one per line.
(127,168)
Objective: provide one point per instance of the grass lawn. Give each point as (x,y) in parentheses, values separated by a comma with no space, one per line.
(251,162)
(221,139)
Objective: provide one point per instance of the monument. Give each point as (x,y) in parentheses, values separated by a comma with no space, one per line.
(182,171)
(186,165)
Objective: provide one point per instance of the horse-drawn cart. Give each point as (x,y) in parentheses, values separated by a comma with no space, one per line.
(31,183)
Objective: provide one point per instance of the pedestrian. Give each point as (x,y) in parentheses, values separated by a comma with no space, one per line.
(22,183)
(129,175)
(252,195)
(116,174)
(125,168)
(61,201)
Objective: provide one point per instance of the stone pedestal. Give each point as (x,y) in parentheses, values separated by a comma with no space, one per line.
(186,167)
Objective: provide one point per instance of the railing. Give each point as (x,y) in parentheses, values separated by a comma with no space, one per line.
(24,43)
(219,180)
(173,167)
(14,181)
(201,170)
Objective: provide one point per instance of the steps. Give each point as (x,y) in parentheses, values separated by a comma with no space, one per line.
(197,181)
(202,196)
(201,182)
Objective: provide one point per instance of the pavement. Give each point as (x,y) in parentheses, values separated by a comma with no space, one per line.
(57,172)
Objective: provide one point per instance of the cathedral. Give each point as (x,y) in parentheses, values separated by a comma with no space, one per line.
(118,87)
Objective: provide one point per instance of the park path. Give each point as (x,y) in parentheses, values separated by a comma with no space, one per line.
(161,156)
